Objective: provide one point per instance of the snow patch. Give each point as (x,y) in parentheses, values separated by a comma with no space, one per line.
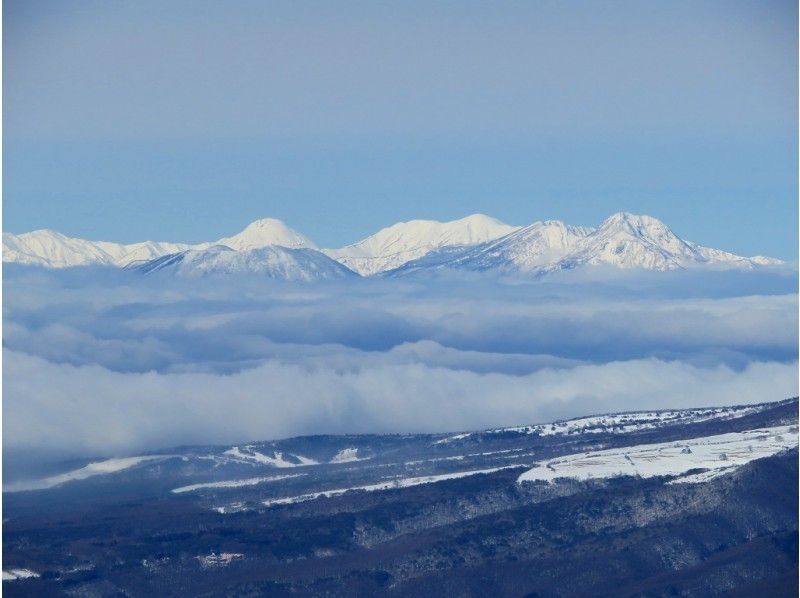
(347,455)
(222,559)
(14,574)
(250,455)
(453,438)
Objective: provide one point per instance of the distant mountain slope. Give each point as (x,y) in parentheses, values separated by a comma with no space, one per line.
(272,262)
(623,241)
(400,243)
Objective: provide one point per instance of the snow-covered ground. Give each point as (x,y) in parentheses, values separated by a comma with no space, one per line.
(235,483)
(620,423)
(385,485)
(250,455)
(719,454)
(92,469)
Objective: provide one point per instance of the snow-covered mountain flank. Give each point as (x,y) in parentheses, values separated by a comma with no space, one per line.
(475,243)
(273,261)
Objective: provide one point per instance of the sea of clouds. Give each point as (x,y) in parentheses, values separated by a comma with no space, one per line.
(103,362)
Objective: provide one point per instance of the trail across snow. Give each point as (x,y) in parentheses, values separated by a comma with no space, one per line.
(385,485)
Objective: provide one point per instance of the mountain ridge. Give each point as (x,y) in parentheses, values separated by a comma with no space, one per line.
(622,240)
(399,243)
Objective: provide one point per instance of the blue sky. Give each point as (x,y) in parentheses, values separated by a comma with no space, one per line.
(184,121)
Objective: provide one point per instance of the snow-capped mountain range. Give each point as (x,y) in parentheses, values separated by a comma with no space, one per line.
(476,243)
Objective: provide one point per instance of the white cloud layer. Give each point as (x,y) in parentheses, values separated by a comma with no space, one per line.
(110,364)
(93,410)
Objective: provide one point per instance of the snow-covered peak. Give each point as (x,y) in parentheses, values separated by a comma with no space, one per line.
(395,245)
(628,240)
(266,232)
(413,234)
(473,229)
(634,221)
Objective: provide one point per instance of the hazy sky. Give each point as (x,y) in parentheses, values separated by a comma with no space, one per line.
(184,121)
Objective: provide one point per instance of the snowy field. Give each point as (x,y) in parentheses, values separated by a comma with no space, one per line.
(716,455)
